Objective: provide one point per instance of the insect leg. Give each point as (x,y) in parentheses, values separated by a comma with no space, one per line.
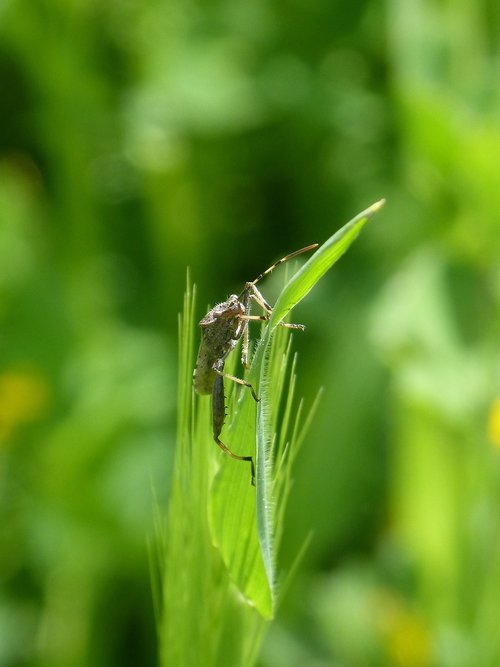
(290,325)
(257,296)
(254,293)
(221,374)
(244,345)
(284,259)
(218,415)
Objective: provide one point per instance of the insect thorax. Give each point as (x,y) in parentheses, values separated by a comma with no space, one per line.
(222,326)
(221,329)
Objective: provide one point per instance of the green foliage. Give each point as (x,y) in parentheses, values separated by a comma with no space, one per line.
(203,563)
(199,615)
(201,618)
(138,138)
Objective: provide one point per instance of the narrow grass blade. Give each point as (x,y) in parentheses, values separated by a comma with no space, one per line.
(200,619)
(294,291)
(242,518)
(322,260)
(232,509)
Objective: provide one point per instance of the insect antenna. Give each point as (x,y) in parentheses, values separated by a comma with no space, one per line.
(283,259)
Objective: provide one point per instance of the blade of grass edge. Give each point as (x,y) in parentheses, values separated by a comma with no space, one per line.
(323,259)
(232,509)
(242,523)
(294,291)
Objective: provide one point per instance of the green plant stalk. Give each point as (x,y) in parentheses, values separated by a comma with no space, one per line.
(243,523)
(219,585)
(201,618)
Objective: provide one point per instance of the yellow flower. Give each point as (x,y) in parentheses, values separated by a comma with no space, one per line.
(23,398)
(409,643)
(494,423)
(405,635)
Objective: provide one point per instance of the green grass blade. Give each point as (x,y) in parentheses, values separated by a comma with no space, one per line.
(322,260)
(233,510)
(242,518)
(294,291)
(200,619)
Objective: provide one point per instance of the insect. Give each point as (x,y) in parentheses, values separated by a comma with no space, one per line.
(221,329)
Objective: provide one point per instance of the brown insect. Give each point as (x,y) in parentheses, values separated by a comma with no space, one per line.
(221,329)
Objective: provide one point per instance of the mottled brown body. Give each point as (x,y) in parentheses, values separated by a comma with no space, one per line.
(221,329)
(220,332)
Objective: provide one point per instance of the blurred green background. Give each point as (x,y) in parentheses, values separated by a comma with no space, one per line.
(140,138)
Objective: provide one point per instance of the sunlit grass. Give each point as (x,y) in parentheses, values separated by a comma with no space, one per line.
(220,576)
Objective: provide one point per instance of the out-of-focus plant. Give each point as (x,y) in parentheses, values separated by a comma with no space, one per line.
(219,582)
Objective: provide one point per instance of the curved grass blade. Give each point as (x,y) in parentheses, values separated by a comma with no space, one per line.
(232,509)
(243,518)
(322,260)
(294,291)
(200,619)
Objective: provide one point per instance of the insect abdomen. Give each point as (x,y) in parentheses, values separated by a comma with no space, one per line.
(218,406)
(204,374)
